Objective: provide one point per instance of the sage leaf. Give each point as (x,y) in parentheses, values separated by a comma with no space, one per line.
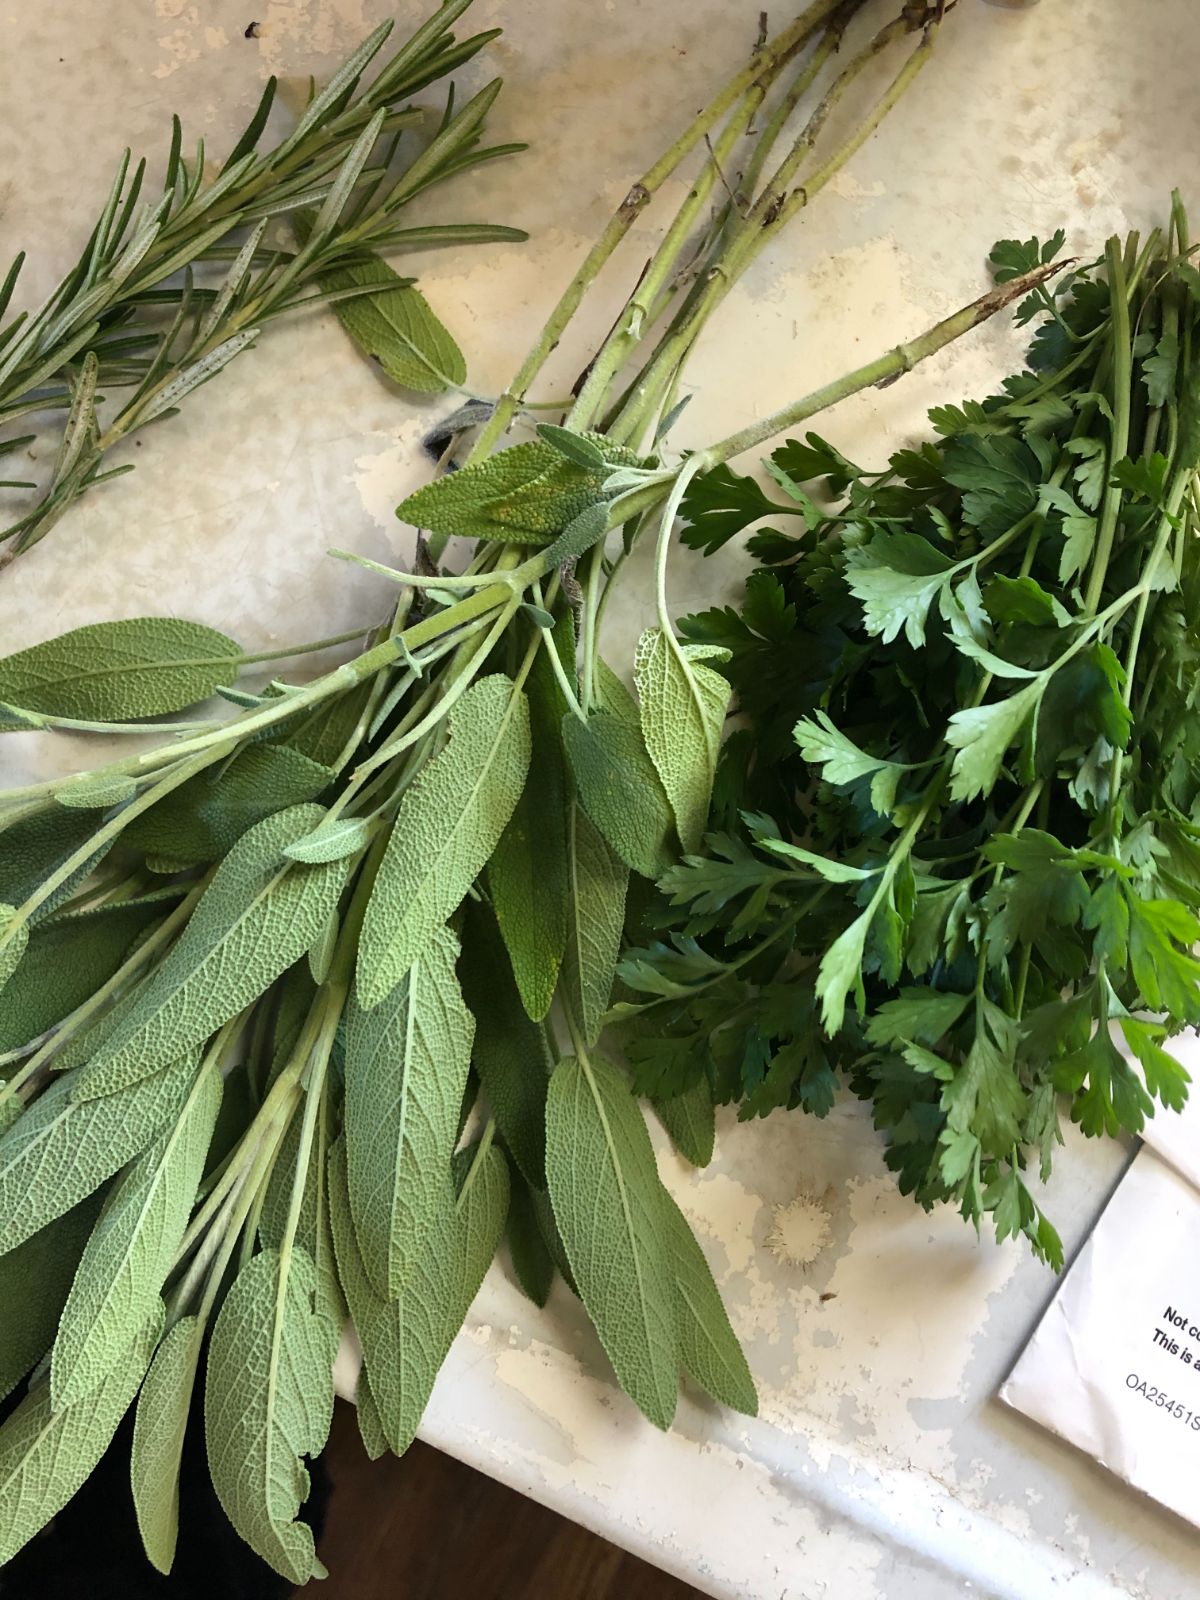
(690,1121)
(62,1150)
(607,1201)
(576,447)
(46,1454)
(406,1069)
(531,1258)
(159,1426)
(620,789)
(598,881)
(447,825)
(395,326)
(347,836)
(129,1255)
(509,1053)
(370,1423)
(259,914)
(118,671)
(525,494)
(406,1340)
(708,1347)
(527,873)
(328,734)
(88,793)
(14,946)
(268,1402)
(205,817)
(69,957)
(35,1280)
(683,705)
(38,845)
(612,695)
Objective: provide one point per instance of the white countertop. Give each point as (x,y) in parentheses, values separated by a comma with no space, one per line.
(881,1467)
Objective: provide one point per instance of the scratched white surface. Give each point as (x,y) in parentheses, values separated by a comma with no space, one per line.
(881,1468)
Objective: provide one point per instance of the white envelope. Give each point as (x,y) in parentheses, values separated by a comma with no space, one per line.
(1114,1365)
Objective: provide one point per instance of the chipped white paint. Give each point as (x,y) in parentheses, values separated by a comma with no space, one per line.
(881,1468)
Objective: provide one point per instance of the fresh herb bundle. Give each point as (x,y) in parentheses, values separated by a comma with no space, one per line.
(966,792)
(284,995)
(160,302)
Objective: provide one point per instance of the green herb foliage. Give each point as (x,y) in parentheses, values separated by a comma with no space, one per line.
(165,296)
(957,862)
(341,953)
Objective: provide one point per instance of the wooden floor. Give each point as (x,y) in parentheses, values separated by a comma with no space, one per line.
(425,1527)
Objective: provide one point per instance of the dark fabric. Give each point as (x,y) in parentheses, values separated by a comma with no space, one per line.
(91,1550)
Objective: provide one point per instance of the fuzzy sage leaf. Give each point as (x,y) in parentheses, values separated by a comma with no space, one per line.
(406,1069)
(446,827)
(608,1204)
(118,671)
(268,1402)
(260,913)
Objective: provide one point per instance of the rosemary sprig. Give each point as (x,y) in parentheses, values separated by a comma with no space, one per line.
(144,308)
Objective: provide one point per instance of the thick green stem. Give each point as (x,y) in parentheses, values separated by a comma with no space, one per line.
(885,369)
(1110,509)
(766,60)
(773,210)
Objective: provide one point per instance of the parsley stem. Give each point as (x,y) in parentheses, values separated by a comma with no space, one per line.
(885,369)
(1119,437)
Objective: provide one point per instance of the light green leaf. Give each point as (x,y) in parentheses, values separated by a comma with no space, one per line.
(129,1254)
(608,1203)
(598,883)
(62,1150)
(620,789)
(86,792)
(447,825)
(683,705)
(831,871)
(840,971)
(14,946)
(118,671)
(690,1120)
(509,1053)
(576,447)
(708,1346)
(612,694)
(346,836)
(268,1402)
(406,1070)
(35,1280)
(320,953)
(160,1423)
(45,1455)
(981,735)
(527,874)
(370,1423)
(396,327)
(897,577)
(260,913)
(205,817)
(406,1340)
(841,761)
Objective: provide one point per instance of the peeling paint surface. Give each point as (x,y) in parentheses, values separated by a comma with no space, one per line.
(881,1467)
